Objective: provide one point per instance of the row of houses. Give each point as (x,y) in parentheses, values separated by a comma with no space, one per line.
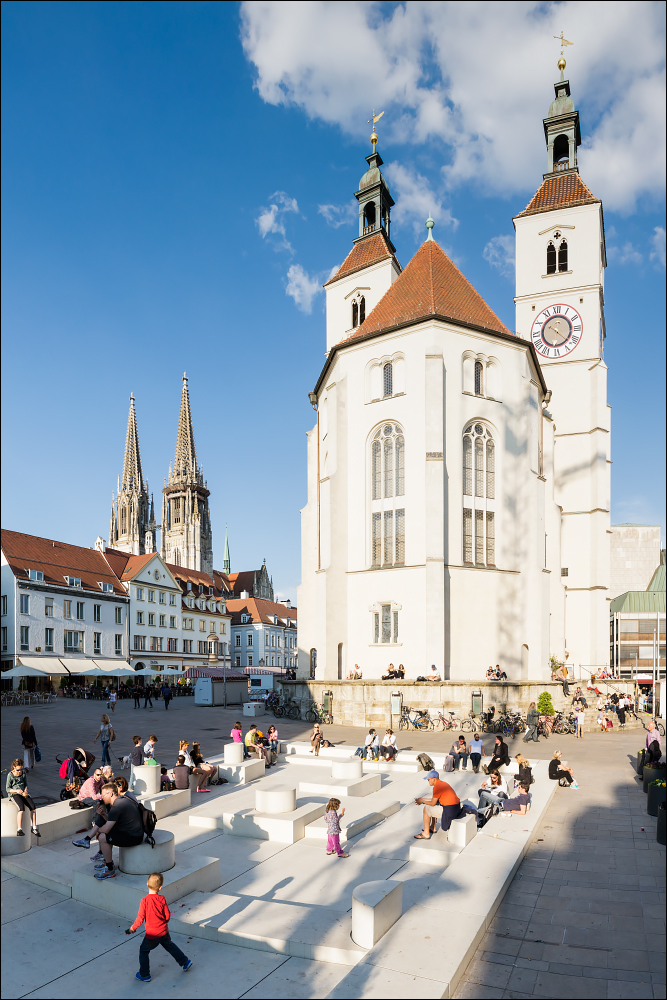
(108,606)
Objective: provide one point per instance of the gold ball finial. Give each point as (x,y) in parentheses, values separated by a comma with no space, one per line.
(561,64)
(374,139)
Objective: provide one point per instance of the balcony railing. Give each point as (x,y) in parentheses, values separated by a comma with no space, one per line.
(561,165)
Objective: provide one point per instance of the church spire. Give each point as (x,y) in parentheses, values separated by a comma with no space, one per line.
(226,561)
(132,473)
(185,460)
(562,131)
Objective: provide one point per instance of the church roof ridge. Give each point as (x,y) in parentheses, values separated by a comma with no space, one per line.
(365,252)
(430,287)
(564,190)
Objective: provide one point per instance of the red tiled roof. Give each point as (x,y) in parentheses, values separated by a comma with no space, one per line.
(57,560)
(135,564)
(260,611)
(430,287)
(559,191)
(369,251)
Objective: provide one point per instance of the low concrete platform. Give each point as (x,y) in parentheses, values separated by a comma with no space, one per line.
(341,787)
(359,816)
(437,852)
(123,894)
(167,803)
(241,774)
(285,828)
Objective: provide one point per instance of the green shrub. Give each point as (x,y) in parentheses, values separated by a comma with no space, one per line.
(545,704)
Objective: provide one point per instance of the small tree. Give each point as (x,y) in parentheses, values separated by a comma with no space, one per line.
(555,664)
(545,705)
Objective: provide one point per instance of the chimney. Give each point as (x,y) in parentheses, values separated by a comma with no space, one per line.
(100,544)
(245,595)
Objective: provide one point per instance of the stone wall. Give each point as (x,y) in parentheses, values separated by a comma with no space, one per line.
(368,703)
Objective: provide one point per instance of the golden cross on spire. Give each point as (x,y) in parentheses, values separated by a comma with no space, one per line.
(563,42)
(373,119)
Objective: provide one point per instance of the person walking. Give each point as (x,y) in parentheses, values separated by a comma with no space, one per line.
(17,790)
(532,720)
(105,734)
(154,912)
(113,695)
(653,744)
(579,718)
(165,692)
(476,751)
(29,741)
(148,695)
(621,712)
(137,695)
(332,820)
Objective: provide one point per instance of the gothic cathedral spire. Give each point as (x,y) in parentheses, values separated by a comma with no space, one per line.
(186,523)
(130,510)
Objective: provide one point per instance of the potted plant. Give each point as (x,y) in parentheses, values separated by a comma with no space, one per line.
(641,756)
(662,823)
(653,772)
(656,795)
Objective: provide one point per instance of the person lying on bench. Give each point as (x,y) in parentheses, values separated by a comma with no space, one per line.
(518,805)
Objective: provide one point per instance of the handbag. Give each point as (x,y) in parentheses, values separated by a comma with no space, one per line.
(38,754)
(113,735)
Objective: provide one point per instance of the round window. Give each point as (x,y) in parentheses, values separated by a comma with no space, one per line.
(479,429)
(388,428)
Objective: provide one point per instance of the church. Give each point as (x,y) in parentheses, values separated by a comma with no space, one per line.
(458,471)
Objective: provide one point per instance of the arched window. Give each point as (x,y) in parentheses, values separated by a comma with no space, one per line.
(551,259)
(561,148)
(387,380)
(479,378)
(387,460)
(369,217)
(123,521)
(362,310)
(355,315)
(562,256)
(479,456)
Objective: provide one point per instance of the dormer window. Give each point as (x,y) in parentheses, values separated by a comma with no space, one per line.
(36,575)
(107,588)
(73,581)
(201,588)
(210,590)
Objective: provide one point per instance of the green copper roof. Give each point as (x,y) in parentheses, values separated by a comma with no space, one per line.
(638,602)
(657,584)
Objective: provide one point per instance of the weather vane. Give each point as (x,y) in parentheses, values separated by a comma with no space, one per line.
(373,119)
(563,42)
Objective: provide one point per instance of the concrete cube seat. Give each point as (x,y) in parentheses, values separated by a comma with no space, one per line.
(285,828)
(144,859)
(166,803)
(341,787)
(55,821)
(462,831)
(376,906)
(438,851)
(241,774)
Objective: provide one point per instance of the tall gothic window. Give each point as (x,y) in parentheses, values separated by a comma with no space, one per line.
(551,259)
(562,256)
(355,314)
(479,493)
(362,310)
(387,486)
(388,379)
(479,378)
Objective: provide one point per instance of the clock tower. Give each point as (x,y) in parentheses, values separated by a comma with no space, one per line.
(560,262)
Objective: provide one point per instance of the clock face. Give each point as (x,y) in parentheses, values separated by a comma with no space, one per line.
(556,331)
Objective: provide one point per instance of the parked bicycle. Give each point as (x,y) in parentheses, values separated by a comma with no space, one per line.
(564,726)
(289,709)
(448,721)
(317,713)
(420,719)
(482,723)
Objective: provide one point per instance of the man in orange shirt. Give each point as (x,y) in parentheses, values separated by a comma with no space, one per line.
(444,804)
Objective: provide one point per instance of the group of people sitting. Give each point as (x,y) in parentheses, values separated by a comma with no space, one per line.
(394,673)
(496,674)
(374,748)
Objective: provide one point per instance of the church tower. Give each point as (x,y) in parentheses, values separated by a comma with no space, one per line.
(132,528)
(186,523)
(560,262)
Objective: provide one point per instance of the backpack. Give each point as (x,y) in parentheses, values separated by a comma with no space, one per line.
(148,821)
(449,762)
(426,762)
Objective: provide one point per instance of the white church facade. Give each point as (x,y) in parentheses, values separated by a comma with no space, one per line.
(458,472)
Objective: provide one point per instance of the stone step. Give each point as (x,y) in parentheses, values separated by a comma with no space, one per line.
(341,787)
(359,816)
(437,852)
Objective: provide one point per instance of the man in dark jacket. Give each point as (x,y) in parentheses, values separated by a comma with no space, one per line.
(532,719)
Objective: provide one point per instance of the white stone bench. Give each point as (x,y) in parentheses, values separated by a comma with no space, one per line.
(144,859)
(341,787)
(11,842)
(166,803)
(55,821)
(241,774)
(376,906)
(462,831)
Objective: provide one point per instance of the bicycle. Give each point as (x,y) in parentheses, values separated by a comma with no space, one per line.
(449,721)
(543,729)
(317,713)
(289,708)
(563,726)
(480,723)
(419,721)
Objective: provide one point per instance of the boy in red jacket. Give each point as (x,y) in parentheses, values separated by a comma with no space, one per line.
(155,912)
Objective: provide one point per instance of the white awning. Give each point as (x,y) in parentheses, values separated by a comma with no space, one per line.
(82,666)
(52,666)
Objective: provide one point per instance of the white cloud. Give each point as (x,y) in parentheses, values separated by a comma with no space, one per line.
(339,215)
(627,254)
(499,253)
(270,220)
(415,200)
(302,287)
(478,79)
(658,245)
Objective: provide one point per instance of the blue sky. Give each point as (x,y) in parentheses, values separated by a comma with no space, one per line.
(177,185)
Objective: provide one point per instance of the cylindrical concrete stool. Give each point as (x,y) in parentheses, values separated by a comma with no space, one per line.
(194,782)
(275,800)
(376,906)
(144,859)
(233,753)
(146,780)
(11,843)
(347,768)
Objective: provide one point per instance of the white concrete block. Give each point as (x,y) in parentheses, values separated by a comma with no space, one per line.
(123,893)
(462,831)
(233,753)
(11,843)
(144,859)
(48,868)
(360,815)
(146,779)
(376,906)
(286,828)
(310,761)
(167,803)
(438,851)
(275,799)
(337,787)
(253,708)
(241,774)
(347,768)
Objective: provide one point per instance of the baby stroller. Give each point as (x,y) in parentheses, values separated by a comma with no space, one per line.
(74,770)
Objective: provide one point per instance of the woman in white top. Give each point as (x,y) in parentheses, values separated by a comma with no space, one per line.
(580,717)
(476,751)
(371,743)
(112,700)
(389,748)
(493,791)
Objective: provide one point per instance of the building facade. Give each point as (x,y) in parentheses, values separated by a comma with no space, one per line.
(60,601)
(637,631)
(635,552)
(453,494)
(264,634)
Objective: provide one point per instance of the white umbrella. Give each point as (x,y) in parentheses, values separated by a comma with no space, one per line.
(149,671)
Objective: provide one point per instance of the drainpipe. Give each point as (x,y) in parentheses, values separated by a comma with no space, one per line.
(312,396)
